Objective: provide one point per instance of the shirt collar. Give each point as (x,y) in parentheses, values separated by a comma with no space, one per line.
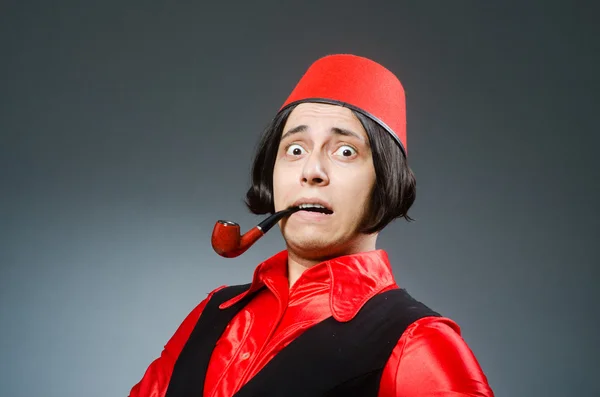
(352,279)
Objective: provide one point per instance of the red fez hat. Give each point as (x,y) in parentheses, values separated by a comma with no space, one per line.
(357,83)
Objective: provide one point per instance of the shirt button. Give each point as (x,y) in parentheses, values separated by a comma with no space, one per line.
(245,356)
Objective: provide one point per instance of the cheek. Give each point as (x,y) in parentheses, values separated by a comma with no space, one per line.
(276,185)
(361,188)
(281,186)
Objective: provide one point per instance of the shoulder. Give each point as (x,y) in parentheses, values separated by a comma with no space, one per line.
(423,326)
(431,330)
(430,357)
(421,323)
(189,322)
(398,304)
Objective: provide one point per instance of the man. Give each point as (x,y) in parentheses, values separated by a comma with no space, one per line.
(325,316)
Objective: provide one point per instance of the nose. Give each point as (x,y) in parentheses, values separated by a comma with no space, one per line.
(314,171)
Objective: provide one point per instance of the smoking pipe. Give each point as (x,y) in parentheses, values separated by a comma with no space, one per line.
(227,241)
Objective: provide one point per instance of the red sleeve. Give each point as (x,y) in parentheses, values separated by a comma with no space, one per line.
(156,378)
(432,359)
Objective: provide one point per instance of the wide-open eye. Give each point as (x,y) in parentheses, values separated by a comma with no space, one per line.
(345,151)
(295,150)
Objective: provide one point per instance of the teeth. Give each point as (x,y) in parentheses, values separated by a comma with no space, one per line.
(311,206)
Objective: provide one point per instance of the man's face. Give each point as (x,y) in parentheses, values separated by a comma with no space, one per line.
(324,158)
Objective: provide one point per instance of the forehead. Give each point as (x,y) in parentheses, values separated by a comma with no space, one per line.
(321,117)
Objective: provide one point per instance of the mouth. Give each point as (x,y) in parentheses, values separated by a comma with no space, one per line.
(315,208)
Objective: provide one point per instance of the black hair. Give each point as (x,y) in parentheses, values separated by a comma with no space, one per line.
(395,185)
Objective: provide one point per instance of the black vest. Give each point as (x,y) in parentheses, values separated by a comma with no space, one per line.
(329,359)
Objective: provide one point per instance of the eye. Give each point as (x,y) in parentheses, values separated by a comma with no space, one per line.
(295,150)
(345,151)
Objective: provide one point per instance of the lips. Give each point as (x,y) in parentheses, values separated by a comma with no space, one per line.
(314,205)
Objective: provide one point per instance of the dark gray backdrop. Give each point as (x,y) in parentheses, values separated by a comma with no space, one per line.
(128,130)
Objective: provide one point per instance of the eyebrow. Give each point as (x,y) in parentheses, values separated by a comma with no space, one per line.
(335,130)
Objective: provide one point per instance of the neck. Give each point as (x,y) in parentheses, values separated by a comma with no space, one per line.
(300,261)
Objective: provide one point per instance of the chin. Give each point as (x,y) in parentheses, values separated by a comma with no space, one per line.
(311,248)
(309,231)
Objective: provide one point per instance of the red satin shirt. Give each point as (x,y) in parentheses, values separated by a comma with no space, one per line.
(430,359)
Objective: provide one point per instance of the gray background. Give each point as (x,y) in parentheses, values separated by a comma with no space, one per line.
(128,130)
